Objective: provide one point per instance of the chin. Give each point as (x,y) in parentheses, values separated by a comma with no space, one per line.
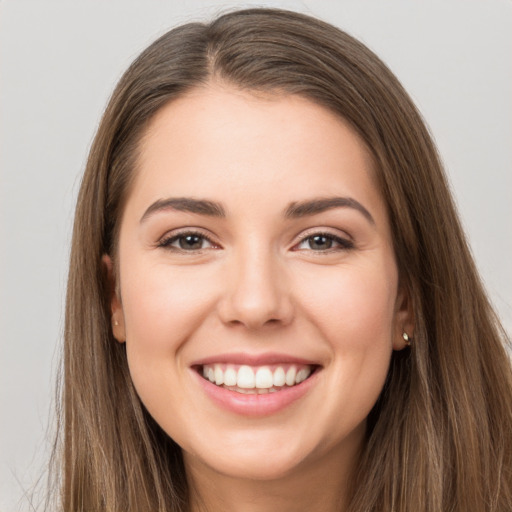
(253,460)
(261,466)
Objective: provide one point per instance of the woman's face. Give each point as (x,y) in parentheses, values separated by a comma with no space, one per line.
(255,251)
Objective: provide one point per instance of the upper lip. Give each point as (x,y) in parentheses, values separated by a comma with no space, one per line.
(254,359)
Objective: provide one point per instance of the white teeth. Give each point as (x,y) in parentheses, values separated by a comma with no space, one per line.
(261,380)
(290,376)
(230,376)
(245,378)
(264,378)
(302,375)
(219,375)
(279,377)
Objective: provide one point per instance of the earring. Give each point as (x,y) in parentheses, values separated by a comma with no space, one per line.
(116,322)
(406,338)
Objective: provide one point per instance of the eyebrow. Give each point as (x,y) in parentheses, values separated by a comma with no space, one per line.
(315,206)
(293,211)
(185,204)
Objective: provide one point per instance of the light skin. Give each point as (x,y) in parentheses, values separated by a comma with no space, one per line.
(290,253)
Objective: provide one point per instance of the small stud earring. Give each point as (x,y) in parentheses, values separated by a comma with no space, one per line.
(116,322)
(406,338)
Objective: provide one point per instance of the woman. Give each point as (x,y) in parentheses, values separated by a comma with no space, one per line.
(271,303)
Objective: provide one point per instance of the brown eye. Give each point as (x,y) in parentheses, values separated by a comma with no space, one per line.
(187,242)
(320,242)
(324,242)
(190,242)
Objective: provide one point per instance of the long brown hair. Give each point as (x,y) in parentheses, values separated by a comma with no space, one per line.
(440,435)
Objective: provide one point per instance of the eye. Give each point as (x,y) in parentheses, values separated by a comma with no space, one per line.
(322,242)
(187,241)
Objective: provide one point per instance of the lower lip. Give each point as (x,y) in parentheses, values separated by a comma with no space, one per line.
(254,404)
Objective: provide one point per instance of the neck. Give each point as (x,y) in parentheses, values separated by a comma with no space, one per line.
(319,485)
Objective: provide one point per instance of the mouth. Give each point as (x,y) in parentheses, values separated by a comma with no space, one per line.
(256,385)
(256,380)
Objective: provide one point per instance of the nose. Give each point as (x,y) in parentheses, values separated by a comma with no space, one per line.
(257,292)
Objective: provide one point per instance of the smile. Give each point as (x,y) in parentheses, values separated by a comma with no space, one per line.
(259,380)
(256,385)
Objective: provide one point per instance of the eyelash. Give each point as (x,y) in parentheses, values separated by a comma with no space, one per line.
(166,242)
(343,243)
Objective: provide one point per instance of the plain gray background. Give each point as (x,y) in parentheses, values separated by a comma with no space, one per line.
(58,64)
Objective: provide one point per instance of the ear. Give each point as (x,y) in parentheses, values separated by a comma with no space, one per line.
(116,308)
(404,319)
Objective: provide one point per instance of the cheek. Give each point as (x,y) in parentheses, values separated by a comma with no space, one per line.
(162,306)
(353,309)
(162,309)
(353,306)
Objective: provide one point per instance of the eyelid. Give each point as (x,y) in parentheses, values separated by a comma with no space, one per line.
(345,240)
(165,241)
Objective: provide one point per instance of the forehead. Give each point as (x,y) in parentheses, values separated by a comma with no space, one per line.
(221,141)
